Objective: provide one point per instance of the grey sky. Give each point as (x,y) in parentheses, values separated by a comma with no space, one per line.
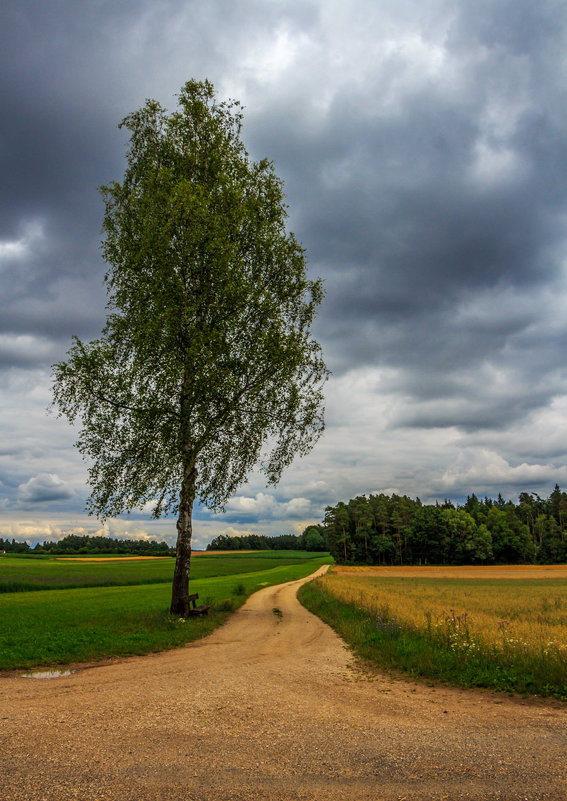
(423,148)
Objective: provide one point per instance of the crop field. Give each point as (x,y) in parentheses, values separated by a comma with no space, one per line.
(499,627)
(93,621)
(27,573)
(458,571)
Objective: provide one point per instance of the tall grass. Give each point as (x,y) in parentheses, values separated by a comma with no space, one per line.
(507,635)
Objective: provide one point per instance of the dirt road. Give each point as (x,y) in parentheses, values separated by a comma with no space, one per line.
(270,707)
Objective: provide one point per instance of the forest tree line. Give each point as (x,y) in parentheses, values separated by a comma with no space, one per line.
(397,530)
(313,538)
(89,545)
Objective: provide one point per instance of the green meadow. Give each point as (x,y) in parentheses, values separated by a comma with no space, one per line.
(123,609)
(28,573)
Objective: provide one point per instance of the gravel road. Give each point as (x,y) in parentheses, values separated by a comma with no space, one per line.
(270,707)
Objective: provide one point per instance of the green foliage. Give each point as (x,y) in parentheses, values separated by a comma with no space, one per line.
(310,540)
(394,530)
(313,539)
(89,545)
(206,366)
(13,546)
(206,355)
(226,605)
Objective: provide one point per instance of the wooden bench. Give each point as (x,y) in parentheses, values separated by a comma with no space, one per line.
(194,609)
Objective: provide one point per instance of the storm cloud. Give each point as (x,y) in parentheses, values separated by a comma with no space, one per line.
(422,145)
(44,487)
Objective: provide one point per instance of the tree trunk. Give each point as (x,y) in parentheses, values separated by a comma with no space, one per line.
(180,588)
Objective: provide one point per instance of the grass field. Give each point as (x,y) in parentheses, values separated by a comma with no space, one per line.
(27,573)
(51,627)
(504,628)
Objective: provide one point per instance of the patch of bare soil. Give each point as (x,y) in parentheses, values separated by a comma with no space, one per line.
(270,707)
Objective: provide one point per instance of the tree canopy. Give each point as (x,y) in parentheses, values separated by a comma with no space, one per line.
(89,544)
(312,539)
(206,366)
(397,530)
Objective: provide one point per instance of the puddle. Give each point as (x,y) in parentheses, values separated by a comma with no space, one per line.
(47,674)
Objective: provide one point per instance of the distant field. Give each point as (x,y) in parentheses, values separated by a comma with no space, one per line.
(117,557)
(23,574)
(458,571)
(49,627)
(114,558)
(501,627)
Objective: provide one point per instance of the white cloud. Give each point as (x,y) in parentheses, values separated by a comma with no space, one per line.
(38,530)
(264,506)
(385,491)
(26,348)
(494,166)
(482,470)
(261,505)
(269,58)
(233,531)
(16,249)
(297,507)
(33,530)
(124,530)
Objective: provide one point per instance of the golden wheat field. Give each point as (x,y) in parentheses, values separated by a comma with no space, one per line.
(516,608)
(459,571)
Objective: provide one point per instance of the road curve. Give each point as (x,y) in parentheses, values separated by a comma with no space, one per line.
(269,707)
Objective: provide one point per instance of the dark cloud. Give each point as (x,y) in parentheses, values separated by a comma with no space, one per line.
(412,207)
(422,146)
(44,487)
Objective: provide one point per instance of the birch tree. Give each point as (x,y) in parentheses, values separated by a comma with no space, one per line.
(206,366)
